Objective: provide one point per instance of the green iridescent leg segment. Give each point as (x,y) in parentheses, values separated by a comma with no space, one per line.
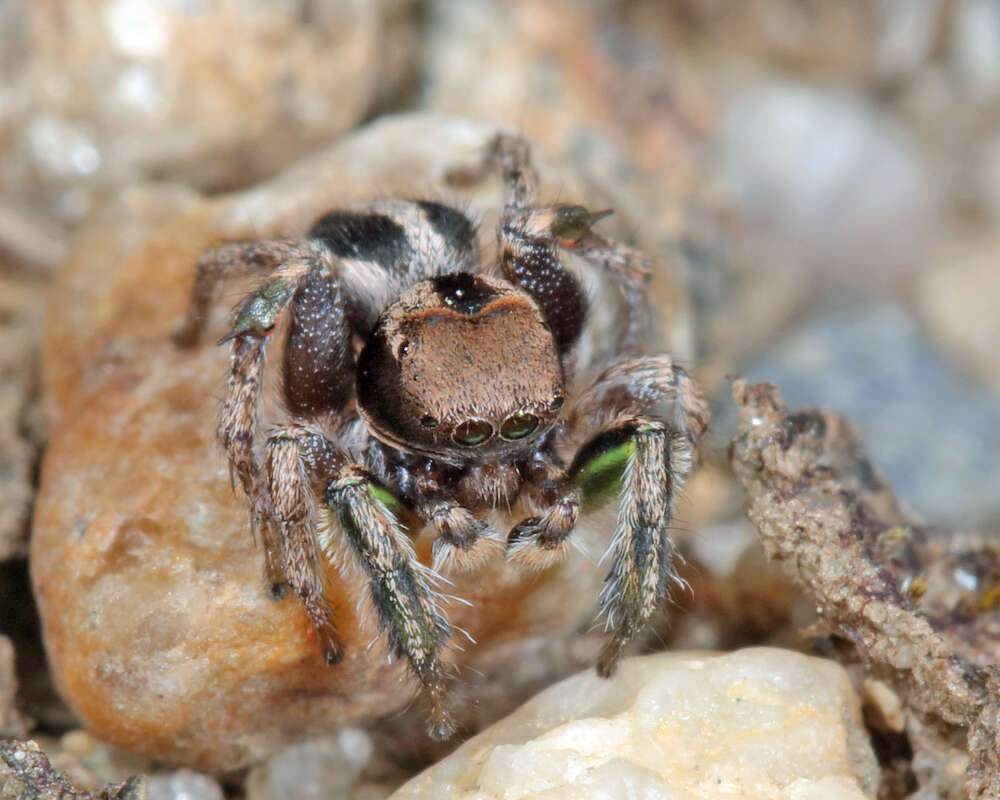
(643,463)
(234,260)
(401,588)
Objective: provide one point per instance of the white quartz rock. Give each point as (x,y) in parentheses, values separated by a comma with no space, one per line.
(757,723)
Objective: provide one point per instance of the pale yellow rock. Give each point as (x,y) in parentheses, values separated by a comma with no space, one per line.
(762,723)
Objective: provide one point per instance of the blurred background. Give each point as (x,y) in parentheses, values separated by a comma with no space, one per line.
(825,174)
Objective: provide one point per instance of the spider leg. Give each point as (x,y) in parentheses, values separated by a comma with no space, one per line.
(637,385)
(316,382)
(300,463)
(298,460)
(401,588)
(255,319)
(641,457)
(648,462)
(463,542)
(530,238)
(629,269)
(232,260)
(538,542)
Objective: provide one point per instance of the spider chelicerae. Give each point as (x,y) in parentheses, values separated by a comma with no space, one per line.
(424,388)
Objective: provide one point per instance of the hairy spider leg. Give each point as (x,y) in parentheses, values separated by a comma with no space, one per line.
(528,254)
(529,240)
(302,462)
(401,587)
(230,260)
(629,269)
(644,460)
(540,541)
(647,463)
(463,542)
(296,458)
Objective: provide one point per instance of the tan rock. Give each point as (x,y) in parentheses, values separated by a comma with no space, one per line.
(760,723)
(149,586)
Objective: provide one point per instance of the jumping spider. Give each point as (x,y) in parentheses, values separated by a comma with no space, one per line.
(424,388)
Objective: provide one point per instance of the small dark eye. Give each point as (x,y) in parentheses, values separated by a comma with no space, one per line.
(428,421)
(402,349)
(472,432)
(518,425)
(557,402)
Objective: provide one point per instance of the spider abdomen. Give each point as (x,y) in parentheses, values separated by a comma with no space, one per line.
(390,245)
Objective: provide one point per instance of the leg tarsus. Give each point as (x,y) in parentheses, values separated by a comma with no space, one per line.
(611,653)
(278,590)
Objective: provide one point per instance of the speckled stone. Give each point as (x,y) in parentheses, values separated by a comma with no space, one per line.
(149,585)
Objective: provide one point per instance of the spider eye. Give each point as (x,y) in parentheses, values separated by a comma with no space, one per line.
(557,402)
(472,432)
(518,425)
(428,421)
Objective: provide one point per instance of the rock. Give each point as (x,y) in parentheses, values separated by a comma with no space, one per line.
(976,46)
(149,585)
(313,770)
(957,299)
(20,428)
(757,723)
(908,30)
(183,785)
(826,38)
(916,604)
(12,724)
(825,180)
(929,429)
(25,772)
(90,762)
(215,93)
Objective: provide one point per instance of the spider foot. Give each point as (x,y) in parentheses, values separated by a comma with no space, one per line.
(538,543)
(464,543)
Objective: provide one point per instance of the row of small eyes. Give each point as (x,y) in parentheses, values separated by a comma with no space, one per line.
(476,431)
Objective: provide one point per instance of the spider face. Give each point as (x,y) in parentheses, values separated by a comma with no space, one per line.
(462,368)
(423,394)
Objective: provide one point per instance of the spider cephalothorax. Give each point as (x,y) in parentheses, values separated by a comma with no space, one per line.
(461,367)
(425,393)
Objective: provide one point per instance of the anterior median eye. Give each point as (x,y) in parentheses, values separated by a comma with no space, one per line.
(472,432)
(518,425)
